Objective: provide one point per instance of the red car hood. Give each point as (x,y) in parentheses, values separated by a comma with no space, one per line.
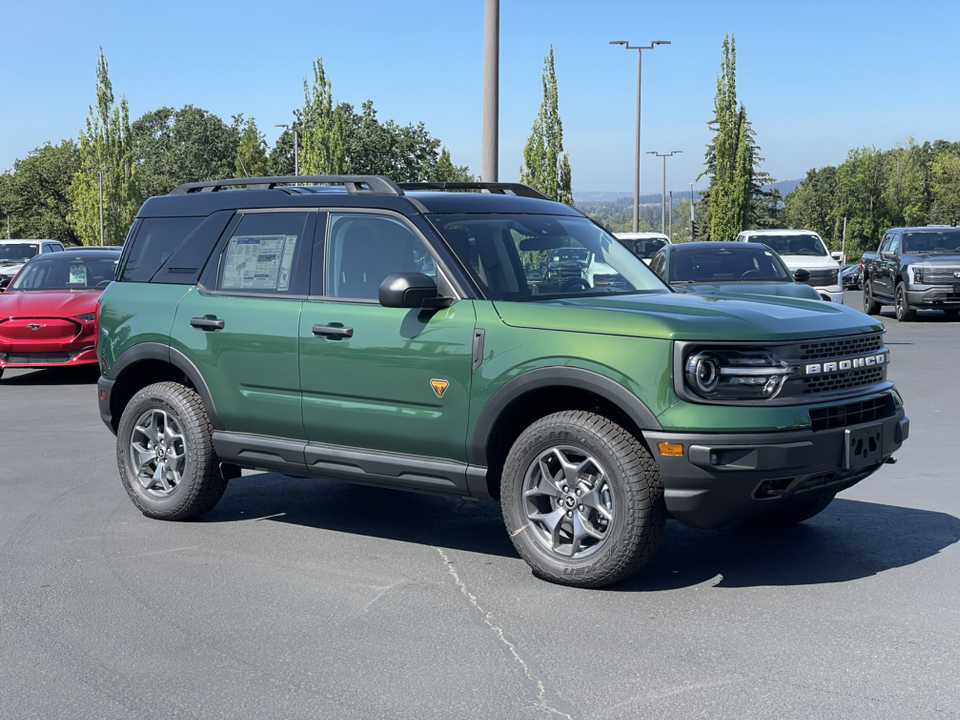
(48,303)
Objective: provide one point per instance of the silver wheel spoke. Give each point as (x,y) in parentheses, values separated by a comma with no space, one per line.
(567,501)
(158,452)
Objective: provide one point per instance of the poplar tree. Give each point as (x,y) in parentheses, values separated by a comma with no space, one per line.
(252,153)
(546,167)
(735,197)
(321,128)
(106,148)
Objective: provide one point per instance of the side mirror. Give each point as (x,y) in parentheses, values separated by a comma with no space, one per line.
(411,290)
(801,275)
(838,256)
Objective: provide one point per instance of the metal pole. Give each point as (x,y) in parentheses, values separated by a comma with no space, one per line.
(490,170)
(100,175)
(663,196)
(670,234)
(296,151)
(636,170)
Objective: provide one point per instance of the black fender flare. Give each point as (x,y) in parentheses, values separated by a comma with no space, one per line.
(578,378)
(165,353)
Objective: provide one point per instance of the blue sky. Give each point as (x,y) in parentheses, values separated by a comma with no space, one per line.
(817,78)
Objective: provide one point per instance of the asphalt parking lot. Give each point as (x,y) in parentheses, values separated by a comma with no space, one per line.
(313,599)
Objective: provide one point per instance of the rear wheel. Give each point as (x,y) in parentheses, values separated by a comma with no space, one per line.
(794,514)
(165,453)
(870,306)
(582,500)
(905,313)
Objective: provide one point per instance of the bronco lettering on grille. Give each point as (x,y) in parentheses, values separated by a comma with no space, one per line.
(845,365)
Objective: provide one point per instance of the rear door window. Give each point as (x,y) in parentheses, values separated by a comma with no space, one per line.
(154,243)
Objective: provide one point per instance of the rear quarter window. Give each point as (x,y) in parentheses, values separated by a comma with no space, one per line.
(153,244)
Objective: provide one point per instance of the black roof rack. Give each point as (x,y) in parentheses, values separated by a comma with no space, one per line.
(493,187)
(353,183)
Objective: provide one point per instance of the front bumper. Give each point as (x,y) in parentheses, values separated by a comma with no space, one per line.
(936,296)
(65,358)
(833,293)
(725,478)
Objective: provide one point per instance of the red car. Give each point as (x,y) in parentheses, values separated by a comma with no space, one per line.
(48,313)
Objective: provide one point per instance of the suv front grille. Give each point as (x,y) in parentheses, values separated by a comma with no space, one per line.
(852,379)
(840,347)
(855,413)
(823,278)
(939,275)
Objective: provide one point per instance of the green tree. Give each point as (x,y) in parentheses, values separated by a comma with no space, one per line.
(106,155)
(35,196)
(546,167)
(861,181)
(321,130)
(280,159)
(173,147)
(252,158)
(907,191)
(736,198)
(945,183)
(810,205)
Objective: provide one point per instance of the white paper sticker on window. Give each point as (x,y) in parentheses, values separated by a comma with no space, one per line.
(259,262)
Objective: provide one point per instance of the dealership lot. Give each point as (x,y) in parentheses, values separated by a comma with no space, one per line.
(304,598)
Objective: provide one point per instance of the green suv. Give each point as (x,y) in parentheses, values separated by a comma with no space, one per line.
(410,336)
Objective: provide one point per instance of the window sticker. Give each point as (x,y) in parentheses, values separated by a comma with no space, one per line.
(259,262)
(78,275)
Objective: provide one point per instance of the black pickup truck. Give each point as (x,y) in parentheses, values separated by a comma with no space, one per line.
(915,268)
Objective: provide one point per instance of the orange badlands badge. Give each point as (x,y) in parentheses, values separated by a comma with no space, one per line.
(439,387)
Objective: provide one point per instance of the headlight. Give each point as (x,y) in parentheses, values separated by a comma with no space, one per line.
(736,374)
(87,317)
(832,277)
(917,274)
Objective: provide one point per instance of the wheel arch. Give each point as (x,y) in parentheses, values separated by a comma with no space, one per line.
(542,392)
(148,363)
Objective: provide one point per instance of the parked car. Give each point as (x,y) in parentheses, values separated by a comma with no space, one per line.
(48,312)
(730,267)
(565,263)
(915,268)
(643,244)
(264,323)
(851,276)
(14,253)
(803,249)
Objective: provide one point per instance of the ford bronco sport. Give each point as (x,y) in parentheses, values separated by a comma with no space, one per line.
(355,329)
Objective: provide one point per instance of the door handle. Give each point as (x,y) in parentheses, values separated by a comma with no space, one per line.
(327,330)
(206,324)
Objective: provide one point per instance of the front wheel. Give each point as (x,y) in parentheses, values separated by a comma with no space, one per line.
(905,313)
(582,500)
(870,306)
(165,453)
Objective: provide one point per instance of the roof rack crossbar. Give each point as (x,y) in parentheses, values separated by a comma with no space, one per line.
(493,187)
(354,184)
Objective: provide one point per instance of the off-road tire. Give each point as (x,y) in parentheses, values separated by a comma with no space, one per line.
(905,313)
(630,484)
(793,514)
(870,306)
(191,458)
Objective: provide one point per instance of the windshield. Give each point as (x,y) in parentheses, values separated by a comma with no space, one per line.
(64,271)
(530,257)
(644,248)
(18,252)
(801,244)
(743,264)
(942,241)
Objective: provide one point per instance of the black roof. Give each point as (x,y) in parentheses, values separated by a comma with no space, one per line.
(351,191)
(714,245)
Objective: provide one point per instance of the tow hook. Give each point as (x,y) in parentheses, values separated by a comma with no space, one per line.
(891,460)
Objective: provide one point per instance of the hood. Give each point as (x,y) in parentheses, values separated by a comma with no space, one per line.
(810,262)
(48,303)
(777,289)
(691,316)
(952,258)
(10,268)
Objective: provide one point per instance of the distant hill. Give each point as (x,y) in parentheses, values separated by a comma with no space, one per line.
(607,196)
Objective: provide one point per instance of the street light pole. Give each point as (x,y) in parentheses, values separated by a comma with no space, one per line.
(663,197)
(296,143)
(636,172)
(100,171)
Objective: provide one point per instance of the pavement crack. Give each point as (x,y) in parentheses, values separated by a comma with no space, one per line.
(542,703)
